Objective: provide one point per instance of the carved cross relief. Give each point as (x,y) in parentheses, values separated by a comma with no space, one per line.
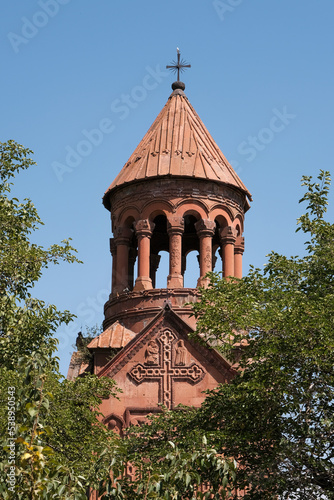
(165,362)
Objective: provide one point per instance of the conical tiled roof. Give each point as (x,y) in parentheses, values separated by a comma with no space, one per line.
(115,336)
(177,145)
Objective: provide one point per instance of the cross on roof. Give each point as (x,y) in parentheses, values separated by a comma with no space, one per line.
(179,65)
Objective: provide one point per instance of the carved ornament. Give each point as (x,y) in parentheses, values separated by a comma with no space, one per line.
(122,235)
(166,365)
(205,227)
(175,224)
(144,227)
(228,235)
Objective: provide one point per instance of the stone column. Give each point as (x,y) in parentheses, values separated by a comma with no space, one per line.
(238,252)
(132,260)
(175,229)
(205,230)
(228,237)
(114,264)
(183,264)
(214,256)
(154,264)
(144,229)
(122,239)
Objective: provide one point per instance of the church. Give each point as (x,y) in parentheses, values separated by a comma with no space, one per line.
(177,193)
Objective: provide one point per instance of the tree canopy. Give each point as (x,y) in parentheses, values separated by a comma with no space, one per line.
(50,435)
(277,324)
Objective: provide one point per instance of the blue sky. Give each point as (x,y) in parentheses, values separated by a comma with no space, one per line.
(262,81)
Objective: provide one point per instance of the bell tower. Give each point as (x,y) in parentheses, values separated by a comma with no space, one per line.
(177,193)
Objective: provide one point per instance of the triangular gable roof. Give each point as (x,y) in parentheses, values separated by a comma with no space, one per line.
(177,144)
(115,336)
(166,315)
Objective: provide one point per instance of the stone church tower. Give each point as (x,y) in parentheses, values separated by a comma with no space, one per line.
(176,193)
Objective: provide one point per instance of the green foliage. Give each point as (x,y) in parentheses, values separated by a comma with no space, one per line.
(50,435)
(167,459)
(25,323)
(78,436)
(21,262)
(38,473)
(277,326)
(161,461)
(82,342)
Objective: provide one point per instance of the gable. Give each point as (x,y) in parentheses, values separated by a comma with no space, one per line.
(161,366)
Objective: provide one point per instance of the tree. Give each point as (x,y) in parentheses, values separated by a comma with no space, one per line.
(50,432)
(277,326)
(162,460)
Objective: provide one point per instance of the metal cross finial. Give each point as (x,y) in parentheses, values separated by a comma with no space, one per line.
(179,65)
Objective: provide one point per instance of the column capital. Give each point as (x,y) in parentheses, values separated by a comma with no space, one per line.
(175,224)
(122,235)
(205,227)
(144,227)
(228,235)
(239,246)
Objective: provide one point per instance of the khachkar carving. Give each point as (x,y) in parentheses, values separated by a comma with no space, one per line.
(165,362)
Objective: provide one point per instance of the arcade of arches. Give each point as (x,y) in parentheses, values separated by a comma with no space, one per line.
(143,239)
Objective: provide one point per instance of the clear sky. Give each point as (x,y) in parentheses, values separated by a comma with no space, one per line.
(262,81)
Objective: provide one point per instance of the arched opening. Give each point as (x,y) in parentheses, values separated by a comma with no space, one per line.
(159,252)
(133,261)
(191,271)
(162,271)
(124,251)
(217,265)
